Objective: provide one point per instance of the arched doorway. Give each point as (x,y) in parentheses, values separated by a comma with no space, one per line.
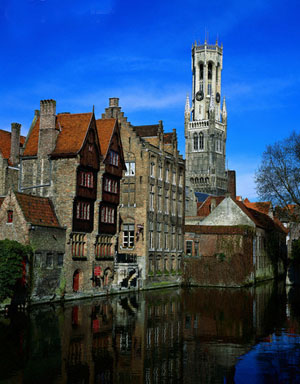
(77,280)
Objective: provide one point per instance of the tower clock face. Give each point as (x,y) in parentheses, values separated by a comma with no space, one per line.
(218,97)
(199,95)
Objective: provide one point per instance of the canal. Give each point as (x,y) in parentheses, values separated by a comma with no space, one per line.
(196,335)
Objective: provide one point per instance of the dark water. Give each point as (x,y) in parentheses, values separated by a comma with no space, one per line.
(170,336)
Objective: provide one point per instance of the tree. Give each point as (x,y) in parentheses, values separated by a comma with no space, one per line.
(12,255)
(277,179)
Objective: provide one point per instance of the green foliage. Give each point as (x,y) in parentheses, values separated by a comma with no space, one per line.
(11,255)
(220,256)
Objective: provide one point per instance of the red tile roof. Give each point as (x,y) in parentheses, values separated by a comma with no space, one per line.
(72,127)
(168,137)
(105,129)
(263,207)
(5,142)
(37,210)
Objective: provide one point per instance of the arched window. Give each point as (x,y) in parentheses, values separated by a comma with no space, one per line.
(195,142)
(201,71)
(201,140)
(201,180)
(209,71)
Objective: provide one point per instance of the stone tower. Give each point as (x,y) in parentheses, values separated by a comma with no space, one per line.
(206,123)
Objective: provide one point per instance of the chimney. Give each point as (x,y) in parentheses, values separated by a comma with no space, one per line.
(15,143)
(231,186)
(48,133)
(113,101)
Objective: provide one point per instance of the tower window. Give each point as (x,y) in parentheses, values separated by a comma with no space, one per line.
(9,216)
(201,140)
(210,71)
(201,71)
(195,142)
(209,89)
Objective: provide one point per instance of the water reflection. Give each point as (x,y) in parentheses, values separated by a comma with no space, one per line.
(188,336)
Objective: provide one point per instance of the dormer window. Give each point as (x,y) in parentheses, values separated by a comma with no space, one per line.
(86,179)
(113,158)
(9,216)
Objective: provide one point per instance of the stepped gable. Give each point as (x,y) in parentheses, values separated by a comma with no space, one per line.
(37,210)
(72,127)
(168,137)
(5,144)
(146,130)
(105,129)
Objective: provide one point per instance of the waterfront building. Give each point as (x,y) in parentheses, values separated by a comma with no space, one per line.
(152,202)
(234,244)
(78,162)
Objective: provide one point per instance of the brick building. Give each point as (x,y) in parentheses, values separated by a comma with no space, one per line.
(152,202)
(233,244)
(11,144)
(78,163)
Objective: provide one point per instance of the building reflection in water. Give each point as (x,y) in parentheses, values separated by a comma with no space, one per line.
(170,336)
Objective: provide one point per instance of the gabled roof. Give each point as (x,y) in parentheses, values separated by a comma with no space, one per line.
(72,127)
(146,130)
(37,210)
(105,129)
(5,143)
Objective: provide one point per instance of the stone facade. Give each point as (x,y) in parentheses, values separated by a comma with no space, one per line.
(152,203)
(205,123)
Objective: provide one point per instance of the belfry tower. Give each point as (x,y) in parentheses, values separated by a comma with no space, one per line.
(206,123)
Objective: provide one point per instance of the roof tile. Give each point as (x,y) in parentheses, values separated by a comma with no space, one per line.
(5,142)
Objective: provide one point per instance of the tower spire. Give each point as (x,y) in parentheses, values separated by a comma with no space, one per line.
(187,104)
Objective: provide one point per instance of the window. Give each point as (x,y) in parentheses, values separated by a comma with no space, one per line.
(77,244)
(159,199)
(107,215)
(151,202)
(49,260)
(173,246)
(209,89)
(130,168)
(167,202)
(151,243)
(196,245)
(174,178)
(179,245)
(166,230)
(9,216)
(201,140)
(188,247)
(180,179)
(195,142)
(110,185)
(158,235)
(113,158)
(152,169)
(209,75)
(103,247)
(173,207)
(160,172)
(201,71)
(167,174)
(86,179)
(83,210)
(60,259)
(128,235)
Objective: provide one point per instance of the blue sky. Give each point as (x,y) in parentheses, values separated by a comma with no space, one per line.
(80,53)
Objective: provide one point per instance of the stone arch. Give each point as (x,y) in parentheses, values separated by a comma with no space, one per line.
(196,180)
(196,141)
(77,280)
(201,180)
(192,180)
